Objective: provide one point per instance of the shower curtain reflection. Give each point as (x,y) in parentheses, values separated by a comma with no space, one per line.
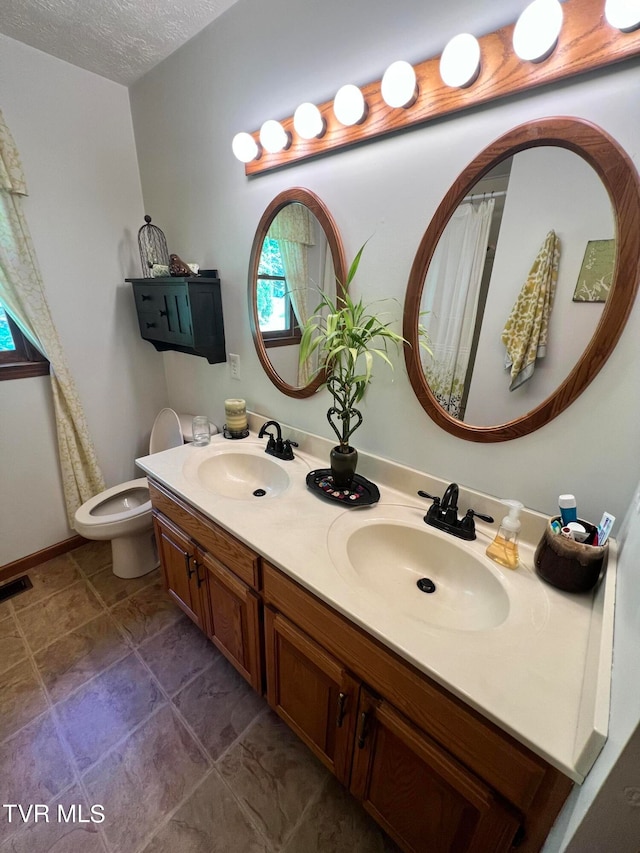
(450,303)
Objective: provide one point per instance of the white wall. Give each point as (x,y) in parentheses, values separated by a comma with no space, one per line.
(260,61)
(73,130)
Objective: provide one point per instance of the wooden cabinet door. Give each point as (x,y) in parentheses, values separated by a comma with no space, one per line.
(418,793)
(183,577)
(312,692)
(234,619)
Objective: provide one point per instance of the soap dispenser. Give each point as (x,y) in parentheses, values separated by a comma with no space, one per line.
(504,548)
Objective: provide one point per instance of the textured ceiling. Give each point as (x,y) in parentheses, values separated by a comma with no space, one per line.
(118,39)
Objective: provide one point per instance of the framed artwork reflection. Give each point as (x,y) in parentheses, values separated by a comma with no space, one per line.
(596,272)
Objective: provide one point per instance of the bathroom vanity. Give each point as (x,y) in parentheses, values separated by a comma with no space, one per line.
(464,730)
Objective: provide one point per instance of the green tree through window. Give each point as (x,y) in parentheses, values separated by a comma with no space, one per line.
(7,344)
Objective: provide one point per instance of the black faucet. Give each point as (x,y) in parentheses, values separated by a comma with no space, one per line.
(276,446)
(443,514)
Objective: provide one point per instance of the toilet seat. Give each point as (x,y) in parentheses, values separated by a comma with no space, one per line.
(90,523)
(123,513)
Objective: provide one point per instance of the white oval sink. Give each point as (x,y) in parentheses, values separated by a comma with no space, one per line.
(242,473)
(386,557)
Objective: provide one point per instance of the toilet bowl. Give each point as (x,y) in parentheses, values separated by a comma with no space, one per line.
(123,513)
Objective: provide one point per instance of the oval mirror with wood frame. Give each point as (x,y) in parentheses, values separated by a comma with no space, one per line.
(491,338)
(297,253)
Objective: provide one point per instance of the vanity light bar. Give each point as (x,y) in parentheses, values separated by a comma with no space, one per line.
(586,41)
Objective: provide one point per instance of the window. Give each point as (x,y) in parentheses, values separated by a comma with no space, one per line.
(18,357)
(275,312)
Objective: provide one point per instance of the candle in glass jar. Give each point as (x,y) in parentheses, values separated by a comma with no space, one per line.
(235,415)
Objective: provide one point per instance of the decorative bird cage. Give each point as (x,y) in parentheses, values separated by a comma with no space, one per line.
(153,248)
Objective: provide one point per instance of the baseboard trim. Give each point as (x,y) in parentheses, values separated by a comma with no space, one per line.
(19,567)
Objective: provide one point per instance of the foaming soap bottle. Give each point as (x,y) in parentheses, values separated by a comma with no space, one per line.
(504,548)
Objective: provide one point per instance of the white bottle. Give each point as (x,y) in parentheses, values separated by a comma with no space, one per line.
(504,548)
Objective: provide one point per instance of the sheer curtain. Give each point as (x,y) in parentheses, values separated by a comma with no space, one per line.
(293,230)
(451,297)
(22,293)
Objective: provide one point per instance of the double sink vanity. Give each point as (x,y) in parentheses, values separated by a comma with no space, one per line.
(461,717)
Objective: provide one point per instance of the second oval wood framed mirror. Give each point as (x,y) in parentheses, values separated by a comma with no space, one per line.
(297,253)
(524,290)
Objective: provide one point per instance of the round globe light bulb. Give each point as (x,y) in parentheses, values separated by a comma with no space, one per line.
(399,88)
(460,61)
(537,29)
(348,105)
(308,121)
(273,136)
(623,14)
(244,147)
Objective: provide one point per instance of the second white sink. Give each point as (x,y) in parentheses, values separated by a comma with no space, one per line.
(391,558)
(462,593)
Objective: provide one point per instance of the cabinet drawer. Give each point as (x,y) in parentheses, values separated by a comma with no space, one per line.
(226,548)
(508,767)
(149,298)
(153,327)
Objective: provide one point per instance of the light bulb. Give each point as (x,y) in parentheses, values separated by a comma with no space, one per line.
(399,87)
(348,105)
(308,121)
(537,29)
(273,136)
(460,61)
(244,147)
(623,14)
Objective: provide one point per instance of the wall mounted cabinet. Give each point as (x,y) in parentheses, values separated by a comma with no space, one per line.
(183,314)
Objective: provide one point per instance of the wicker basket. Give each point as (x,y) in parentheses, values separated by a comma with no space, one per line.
(569,565)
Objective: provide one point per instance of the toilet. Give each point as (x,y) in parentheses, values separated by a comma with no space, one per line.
(123,513)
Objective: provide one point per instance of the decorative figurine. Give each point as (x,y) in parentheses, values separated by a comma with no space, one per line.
(177,266)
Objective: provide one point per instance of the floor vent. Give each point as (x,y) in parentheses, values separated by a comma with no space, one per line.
(15,587)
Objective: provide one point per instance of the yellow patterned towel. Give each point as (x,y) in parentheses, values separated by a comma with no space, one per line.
(525,332)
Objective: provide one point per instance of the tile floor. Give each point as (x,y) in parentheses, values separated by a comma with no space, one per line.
(110,697)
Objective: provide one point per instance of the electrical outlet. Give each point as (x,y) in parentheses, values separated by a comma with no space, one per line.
(234,365)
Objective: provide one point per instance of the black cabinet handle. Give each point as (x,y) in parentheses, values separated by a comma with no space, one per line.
(145,298)
(187,565)
(362,733)
(150,325)
(342,701)
(163,313)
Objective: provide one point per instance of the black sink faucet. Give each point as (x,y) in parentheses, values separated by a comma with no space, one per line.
(443,514)
(276,446)
(449,503)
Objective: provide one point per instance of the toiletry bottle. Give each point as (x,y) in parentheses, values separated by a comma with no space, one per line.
(568,509)
(504,548)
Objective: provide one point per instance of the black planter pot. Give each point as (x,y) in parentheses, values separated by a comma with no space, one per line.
(343,465)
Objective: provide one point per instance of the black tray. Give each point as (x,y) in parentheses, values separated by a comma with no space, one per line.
(361,492)
(227,434)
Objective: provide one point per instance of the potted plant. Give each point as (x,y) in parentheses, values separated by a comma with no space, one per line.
(347,334)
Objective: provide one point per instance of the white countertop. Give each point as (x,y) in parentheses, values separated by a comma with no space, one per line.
(542,675)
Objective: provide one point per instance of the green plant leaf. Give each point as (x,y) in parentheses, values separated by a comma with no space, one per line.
(353,269)
(348,334)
